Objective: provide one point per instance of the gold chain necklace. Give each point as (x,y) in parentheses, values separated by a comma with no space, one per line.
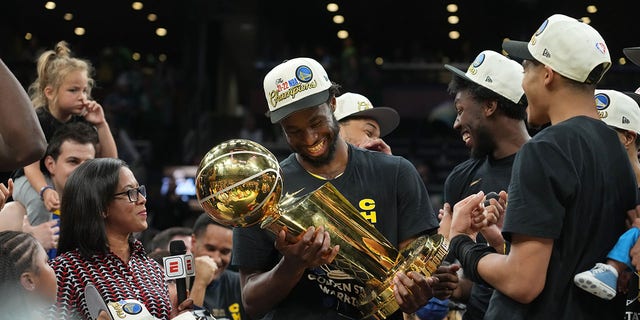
(317,176)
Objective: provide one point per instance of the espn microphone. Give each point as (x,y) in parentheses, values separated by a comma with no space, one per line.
(178,266)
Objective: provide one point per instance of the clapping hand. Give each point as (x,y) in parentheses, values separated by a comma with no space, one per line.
(5,192)
(447,281)
(468,217)
(412,290)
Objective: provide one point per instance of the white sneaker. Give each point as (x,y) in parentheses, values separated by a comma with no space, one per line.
(600,281)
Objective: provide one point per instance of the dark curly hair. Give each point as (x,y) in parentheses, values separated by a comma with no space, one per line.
(479,93)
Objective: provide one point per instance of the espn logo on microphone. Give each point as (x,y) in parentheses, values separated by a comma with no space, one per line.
(177,267)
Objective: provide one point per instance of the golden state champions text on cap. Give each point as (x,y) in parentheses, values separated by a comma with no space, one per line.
(294,85)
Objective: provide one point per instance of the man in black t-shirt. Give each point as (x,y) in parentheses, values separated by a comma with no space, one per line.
(571,186)
(218,290)
(491,112)
(297,280)
(621,112)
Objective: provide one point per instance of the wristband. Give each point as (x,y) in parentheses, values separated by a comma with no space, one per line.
(469,254)
(42,190)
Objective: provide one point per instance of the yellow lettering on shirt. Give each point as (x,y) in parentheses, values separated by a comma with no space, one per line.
(368,205)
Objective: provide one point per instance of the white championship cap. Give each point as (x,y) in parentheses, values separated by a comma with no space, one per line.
(495,72)
(568,46)
(294,85)
(618,109)
(356,105)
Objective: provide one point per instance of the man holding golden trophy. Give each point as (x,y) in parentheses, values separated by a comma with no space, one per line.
(354,234)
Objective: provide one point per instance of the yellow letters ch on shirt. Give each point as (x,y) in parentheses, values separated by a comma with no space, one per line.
(367,206)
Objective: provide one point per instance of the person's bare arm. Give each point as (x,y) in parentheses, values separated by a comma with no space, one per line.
(635,255)
(21,138)
(262,290)
(46,233)
(521,274)
(494,238)
(51,198)
(11,216)
(444,215)
(95,115)
(5,192)
(205,273)
(108,147)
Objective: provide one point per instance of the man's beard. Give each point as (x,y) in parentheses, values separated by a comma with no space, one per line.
(331,151)
(323,160)
(483,144)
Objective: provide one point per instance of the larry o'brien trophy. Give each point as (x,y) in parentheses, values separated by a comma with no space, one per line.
(239,183)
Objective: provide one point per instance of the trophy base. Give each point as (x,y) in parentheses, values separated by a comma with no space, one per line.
(423,255)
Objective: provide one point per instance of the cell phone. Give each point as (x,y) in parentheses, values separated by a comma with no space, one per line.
(489,196)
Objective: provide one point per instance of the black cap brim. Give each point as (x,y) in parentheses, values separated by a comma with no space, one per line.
(517,49)
(387,118)
(634,96)
(307,102)
(633,54)
(458,72)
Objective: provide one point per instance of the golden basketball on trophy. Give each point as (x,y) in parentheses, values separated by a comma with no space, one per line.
(239,183)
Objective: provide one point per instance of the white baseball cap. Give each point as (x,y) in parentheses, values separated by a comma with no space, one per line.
(294,85)
(633,54)
(495,72)
(356,105)
(568,46)
(618,109)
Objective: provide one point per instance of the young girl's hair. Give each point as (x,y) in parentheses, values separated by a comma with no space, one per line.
(53,67)
(18,254)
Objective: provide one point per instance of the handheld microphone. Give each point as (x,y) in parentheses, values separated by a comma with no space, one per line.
(179,266)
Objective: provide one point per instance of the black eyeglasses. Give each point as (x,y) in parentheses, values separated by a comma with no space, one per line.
(132,194)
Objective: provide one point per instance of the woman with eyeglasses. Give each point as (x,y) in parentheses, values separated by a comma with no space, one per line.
(102,206)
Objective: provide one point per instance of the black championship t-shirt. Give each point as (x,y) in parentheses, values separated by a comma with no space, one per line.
(468,178)
(223,298)
(388,192)
(572,182)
